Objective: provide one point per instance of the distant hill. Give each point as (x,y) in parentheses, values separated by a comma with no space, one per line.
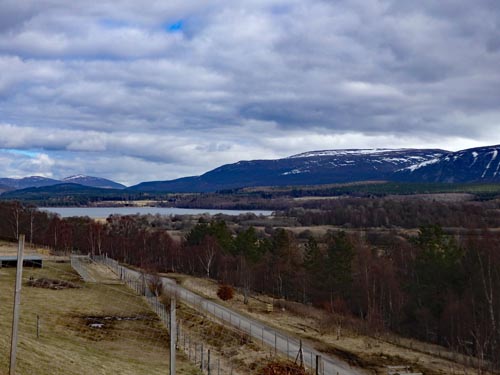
(310,168)
(4,188)
(38,181)
(67,195)
(26,182)
(417,168)
(93,182)
(481,164)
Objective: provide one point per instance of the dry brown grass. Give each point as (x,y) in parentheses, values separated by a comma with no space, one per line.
(237,352)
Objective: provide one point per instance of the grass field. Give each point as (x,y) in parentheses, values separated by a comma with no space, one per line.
(131,340)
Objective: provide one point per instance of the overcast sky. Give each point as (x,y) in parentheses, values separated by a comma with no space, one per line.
(137,91)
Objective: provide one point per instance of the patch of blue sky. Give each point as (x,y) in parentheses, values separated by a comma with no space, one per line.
(16,151)
(175,27)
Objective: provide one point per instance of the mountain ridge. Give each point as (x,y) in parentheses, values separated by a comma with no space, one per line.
(310,168)
(40,181)
(479,164)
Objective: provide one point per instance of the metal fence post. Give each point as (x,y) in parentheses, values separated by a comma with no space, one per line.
(37,326)
(318,364)
(208,361)
(201,358)
(287,347)
(173,335)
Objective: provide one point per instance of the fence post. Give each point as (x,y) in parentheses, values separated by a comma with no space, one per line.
(37,326)
(208,362)
(17,305)
(318,362)
(178,334)
(201,359)
(173,335)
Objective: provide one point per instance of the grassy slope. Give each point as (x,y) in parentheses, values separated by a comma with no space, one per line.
(370,352)
(67,345)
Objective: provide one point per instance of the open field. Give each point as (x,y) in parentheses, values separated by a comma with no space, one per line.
(372,352)
(91,329)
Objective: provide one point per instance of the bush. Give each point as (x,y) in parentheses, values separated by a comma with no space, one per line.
(225,292)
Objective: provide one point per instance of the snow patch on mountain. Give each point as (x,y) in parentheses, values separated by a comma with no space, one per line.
(344,152)
(474,155)
(77,177)
(413,168)
(493,157)
(295,171)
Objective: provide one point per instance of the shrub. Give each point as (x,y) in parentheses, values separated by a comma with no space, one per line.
(225,292)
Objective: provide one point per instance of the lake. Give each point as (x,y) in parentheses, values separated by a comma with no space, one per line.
(104,212)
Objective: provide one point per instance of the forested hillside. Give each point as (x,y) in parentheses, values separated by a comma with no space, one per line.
(430,285)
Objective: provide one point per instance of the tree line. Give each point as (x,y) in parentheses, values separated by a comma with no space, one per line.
(432,286)
(397,212)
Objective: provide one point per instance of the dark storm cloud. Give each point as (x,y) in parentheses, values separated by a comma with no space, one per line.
(178,87)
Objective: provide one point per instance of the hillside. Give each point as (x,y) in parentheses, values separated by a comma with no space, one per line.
(93,182)
(480,164)
(85,328)
(68,195)
(38,181)
(312,168)
(26,182)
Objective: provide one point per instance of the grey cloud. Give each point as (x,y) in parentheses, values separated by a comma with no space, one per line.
(109,79)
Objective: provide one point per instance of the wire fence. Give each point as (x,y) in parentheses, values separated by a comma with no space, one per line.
(78,264)
(277,343)
(205,356)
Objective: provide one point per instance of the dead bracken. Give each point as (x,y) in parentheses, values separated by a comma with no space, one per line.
(51,284)
(283,368)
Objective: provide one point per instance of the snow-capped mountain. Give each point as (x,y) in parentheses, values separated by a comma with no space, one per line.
(481,164)
(93,182)
(38,181)
(310,168)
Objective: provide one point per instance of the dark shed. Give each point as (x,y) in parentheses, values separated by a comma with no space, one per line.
(29,261)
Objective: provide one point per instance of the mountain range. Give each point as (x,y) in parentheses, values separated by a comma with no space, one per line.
(7,184)
(310,168)
(480,164)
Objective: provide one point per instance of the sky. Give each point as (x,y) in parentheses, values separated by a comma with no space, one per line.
(139,91)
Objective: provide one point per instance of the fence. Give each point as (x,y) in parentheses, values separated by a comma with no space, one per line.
(78,264)
(197,352)
(279,343)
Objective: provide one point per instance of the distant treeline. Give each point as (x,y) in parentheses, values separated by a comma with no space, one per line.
(433,286)
(372,189)
(393,213)
(275,198)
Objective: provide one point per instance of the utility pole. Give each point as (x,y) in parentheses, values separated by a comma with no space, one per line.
(173,335)
(17,306)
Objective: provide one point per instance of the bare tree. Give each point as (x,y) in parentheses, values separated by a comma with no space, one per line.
(15,218)
(208,248)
